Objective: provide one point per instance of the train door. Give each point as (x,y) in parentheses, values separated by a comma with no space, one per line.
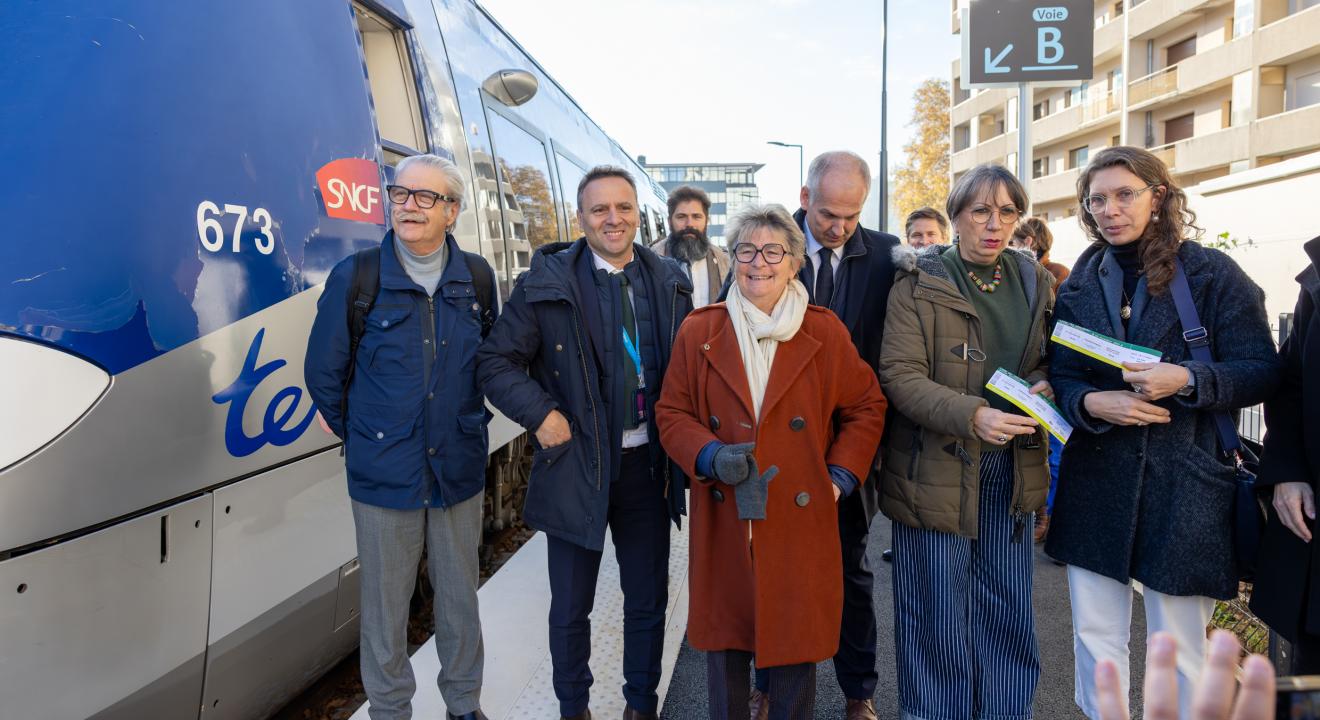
(526,189)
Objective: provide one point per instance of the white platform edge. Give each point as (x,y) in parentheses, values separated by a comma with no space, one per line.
(515,604)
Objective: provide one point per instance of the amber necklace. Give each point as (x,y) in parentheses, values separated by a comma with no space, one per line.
(982,285)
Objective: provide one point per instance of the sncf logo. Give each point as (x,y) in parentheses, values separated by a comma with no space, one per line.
(350,189)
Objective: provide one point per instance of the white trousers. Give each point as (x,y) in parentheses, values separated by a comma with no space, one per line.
(1102,624)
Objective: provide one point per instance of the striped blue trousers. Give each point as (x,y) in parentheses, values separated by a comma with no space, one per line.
(963,623)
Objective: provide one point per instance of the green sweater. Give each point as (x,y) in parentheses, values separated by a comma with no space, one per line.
(1004,313)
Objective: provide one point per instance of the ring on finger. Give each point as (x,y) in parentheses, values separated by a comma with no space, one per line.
(1003,439)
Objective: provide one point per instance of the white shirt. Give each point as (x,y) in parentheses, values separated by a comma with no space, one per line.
(813,254)
(638,435)
(698,273)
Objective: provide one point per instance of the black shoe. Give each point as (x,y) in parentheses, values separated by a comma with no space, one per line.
(630,714)
(474,715)
(584,715)
(888,555)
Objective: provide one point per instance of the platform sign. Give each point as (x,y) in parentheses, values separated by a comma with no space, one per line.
(1006,42)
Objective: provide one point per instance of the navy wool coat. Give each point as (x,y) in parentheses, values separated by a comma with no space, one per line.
(1154,503)
(544,354)
(1287,589)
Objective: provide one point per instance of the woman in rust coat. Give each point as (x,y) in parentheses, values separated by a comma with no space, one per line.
(769,409)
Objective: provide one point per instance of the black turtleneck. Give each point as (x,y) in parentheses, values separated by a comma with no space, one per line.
(1129,258)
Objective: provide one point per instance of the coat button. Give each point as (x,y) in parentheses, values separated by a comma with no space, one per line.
(384,323)
(559,348)
(476,307)
(430,451)
(444,342)
(714,423)
(380,436)
(717,494)
(802,499)
(556,373)
(430,396)
(705,346)
(797,423)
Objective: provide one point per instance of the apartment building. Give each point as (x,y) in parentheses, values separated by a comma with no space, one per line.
(1213,87)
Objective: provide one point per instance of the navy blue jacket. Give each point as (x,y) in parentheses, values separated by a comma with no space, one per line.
(1154,503)
(861,299)
(544,354)
(409,443)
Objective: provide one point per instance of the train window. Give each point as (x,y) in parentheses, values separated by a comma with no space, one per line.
(570,174)
(393,89)
(525,190)
(660,231)
(644,227)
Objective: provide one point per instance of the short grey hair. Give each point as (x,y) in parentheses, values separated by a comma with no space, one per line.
(826,163)
(453,178)
(772,216)
(978,180)
(601,172)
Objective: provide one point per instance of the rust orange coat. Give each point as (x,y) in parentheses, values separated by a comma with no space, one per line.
(779,594)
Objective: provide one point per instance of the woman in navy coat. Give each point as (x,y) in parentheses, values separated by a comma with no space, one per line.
(1145,493)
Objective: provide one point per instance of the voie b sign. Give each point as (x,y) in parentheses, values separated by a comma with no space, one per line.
(1014,41)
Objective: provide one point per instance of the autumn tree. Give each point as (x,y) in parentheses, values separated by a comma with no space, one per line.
(923,179)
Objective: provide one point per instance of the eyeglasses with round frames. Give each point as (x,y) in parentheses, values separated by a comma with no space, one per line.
(772,252)
(425,199)
(1124,197)
(1007,215)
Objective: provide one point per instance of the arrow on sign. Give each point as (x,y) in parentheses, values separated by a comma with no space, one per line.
(992,65)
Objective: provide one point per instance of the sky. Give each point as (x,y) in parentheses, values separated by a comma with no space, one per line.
(683,81)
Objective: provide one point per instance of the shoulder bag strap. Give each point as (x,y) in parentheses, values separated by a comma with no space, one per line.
(1198,342)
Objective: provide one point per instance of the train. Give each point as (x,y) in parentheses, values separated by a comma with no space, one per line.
(175,533)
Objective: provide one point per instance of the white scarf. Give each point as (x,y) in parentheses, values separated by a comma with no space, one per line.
(759,334)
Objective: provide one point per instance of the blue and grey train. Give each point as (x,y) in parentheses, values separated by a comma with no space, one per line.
(180,177)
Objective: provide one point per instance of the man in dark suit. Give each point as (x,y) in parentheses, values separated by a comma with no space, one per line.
(855,285)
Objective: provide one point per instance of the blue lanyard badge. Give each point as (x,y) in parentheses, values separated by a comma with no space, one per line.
(636,356)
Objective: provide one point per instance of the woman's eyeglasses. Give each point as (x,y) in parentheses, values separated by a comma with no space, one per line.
(1008,215)
(1123,198)
(772,252)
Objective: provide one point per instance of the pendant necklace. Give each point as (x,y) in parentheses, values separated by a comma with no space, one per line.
(1125,310)
(982,285)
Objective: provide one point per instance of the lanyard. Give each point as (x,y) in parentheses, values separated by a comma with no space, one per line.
(636,356)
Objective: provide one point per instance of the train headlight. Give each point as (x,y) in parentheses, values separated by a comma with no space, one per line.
(43,392)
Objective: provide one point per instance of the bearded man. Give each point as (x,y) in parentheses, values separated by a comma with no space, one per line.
(706,265)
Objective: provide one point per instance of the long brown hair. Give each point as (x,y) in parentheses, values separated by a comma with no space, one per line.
(1175,221)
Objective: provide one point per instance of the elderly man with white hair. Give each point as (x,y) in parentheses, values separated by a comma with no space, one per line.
(390,367)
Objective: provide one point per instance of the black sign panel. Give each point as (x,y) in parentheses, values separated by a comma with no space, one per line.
(1012,41)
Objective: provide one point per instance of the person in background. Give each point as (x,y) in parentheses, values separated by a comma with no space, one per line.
(1033,235)
(926,226)
(963,468)
(414,436)
(1145,493)
(705,265)
(1285,594)
(578,358)
(766,386)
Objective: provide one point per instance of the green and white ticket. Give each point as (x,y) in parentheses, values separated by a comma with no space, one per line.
(1102,347)
(1016,390)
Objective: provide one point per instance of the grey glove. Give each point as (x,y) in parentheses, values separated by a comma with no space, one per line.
(750,496)
(734,463)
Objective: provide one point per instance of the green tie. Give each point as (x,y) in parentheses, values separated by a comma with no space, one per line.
(629,367)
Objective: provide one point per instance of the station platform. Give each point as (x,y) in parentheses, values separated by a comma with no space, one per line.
(516,601)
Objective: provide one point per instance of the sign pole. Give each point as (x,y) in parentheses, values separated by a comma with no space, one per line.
(1024,162)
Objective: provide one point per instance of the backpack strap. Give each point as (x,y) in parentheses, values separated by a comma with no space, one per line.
(483,282)
(1198,342)
(361,298)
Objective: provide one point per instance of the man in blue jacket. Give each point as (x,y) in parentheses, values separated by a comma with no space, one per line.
(577,358)
(414,428)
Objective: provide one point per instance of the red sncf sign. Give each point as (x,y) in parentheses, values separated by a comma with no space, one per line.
(350,188)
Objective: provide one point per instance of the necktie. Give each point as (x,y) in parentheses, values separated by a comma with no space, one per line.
(824,278)
(630,380)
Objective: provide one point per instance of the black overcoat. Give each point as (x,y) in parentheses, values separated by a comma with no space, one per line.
(1154,503)
(1286,595)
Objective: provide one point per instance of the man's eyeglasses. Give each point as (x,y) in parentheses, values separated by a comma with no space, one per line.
(1007,215)
(424,198)
(772,252)
(1124,197)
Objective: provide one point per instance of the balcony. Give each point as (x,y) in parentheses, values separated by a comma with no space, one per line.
(1152,18)
(1098,107)
(1214,67)
(1287,133)
(1156,85)
(1056,126)
(1289,39)
(984,102)
(993,150)
(1056,187)
(1204,152)
(1108,40)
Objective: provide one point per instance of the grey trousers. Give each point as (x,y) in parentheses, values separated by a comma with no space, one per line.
(389,549)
